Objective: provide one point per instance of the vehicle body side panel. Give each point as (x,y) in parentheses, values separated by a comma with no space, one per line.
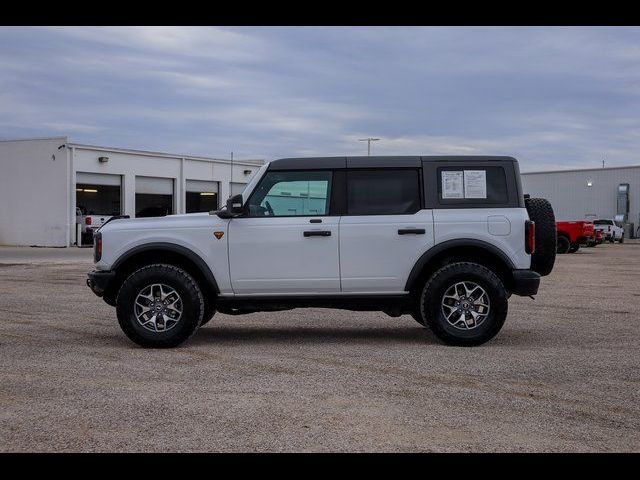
(194,232)
(478,224)
(374,257)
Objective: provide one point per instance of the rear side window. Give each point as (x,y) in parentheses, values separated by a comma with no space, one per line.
(472,185)
(383,192)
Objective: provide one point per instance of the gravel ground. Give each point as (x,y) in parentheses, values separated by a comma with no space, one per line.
(563,375)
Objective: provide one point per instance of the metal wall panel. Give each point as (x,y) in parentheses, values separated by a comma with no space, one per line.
(573,199)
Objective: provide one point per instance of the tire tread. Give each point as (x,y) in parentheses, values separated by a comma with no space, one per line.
(131,332)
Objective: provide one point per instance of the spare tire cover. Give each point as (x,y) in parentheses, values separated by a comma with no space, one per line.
(544,256)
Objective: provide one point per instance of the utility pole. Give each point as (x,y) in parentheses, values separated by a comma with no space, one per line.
(602,163)
(231,182)
(368,140)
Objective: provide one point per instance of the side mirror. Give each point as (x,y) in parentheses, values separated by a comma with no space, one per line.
(235,205)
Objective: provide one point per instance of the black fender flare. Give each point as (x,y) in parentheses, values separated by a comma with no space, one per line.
(180,250)
(450,244)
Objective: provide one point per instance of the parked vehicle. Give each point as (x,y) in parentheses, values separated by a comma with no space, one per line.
(573,234)
(598,238)
(444,239)
(611,229)
(89,224)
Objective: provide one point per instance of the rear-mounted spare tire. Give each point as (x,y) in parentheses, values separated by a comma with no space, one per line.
(544,256)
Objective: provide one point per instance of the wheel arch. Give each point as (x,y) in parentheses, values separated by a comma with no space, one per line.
(464,249)
(160,252)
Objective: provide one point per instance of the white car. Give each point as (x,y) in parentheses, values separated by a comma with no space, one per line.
(444,239)
(610,229)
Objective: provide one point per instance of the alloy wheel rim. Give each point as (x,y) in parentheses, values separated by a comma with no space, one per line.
(158,308)
(465,305)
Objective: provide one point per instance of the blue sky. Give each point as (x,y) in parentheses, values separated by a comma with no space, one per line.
(555,97)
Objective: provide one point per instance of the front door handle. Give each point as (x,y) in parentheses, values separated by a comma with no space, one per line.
(411,231)
(317,233)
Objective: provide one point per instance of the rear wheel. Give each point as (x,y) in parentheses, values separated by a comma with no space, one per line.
(621,239)
(563,244)
(574,247)
(464,304)
(544,256)
(159,306)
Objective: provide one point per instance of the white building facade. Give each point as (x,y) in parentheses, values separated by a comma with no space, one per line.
(43,181)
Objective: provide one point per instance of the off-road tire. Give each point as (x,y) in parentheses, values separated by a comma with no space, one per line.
(209,311)
(544,256)
(431,303)
(182,283)
(574,247)
(417,316)
(563,244)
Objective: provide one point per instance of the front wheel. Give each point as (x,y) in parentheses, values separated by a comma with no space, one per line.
(464,304)
(209,311)
(159,306)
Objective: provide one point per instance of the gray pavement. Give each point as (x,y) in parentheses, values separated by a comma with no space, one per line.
(563,375)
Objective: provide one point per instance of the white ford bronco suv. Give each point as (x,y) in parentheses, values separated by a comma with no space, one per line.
(446,240)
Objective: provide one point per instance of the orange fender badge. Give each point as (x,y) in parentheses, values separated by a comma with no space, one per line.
(218,235)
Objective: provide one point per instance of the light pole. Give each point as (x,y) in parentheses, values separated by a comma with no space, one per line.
(231,181)
(368,140)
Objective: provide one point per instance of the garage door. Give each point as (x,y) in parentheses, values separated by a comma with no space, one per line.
(154,196)
(201,196)
(98,194)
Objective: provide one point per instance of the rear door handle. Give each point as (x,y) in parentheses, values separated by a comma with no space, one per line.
(317,233)
(411,231)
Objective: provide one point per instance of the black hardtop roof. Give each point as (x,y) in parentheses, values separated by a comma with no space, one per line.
(309,163)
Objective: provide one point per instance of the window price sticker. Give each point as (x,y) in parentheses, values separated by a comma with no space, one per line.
(452,186)
(475,184)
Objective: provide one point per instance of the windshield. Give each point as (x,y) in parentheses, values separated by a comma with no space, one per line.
(603,222)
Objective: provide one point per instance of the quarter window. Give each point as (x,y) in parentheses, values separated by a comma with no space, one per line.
(471,184)
(383,192)
(285,194)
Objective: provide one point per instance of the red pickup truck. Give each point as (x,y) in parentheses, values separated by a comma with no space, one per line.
(572,234)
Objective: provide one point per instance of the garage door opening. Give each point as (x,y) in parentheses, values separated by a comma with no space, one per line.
(201,196)
(154,197)
(98,194)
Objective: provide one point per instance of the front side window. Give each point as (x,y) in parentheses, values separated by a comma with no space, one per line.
(383,192)
(285,194)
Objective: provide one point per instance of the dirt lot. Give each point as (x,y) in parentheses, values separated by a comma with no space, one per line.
(563,375)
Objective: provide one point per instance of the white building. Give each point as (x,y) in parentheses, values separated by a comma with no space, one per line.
(43,180)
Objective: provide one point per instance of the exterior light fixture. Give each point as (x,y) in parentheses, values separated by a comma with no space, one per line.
(589,183)
(90,190)
(103,159)
(207,194)
(247,172)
